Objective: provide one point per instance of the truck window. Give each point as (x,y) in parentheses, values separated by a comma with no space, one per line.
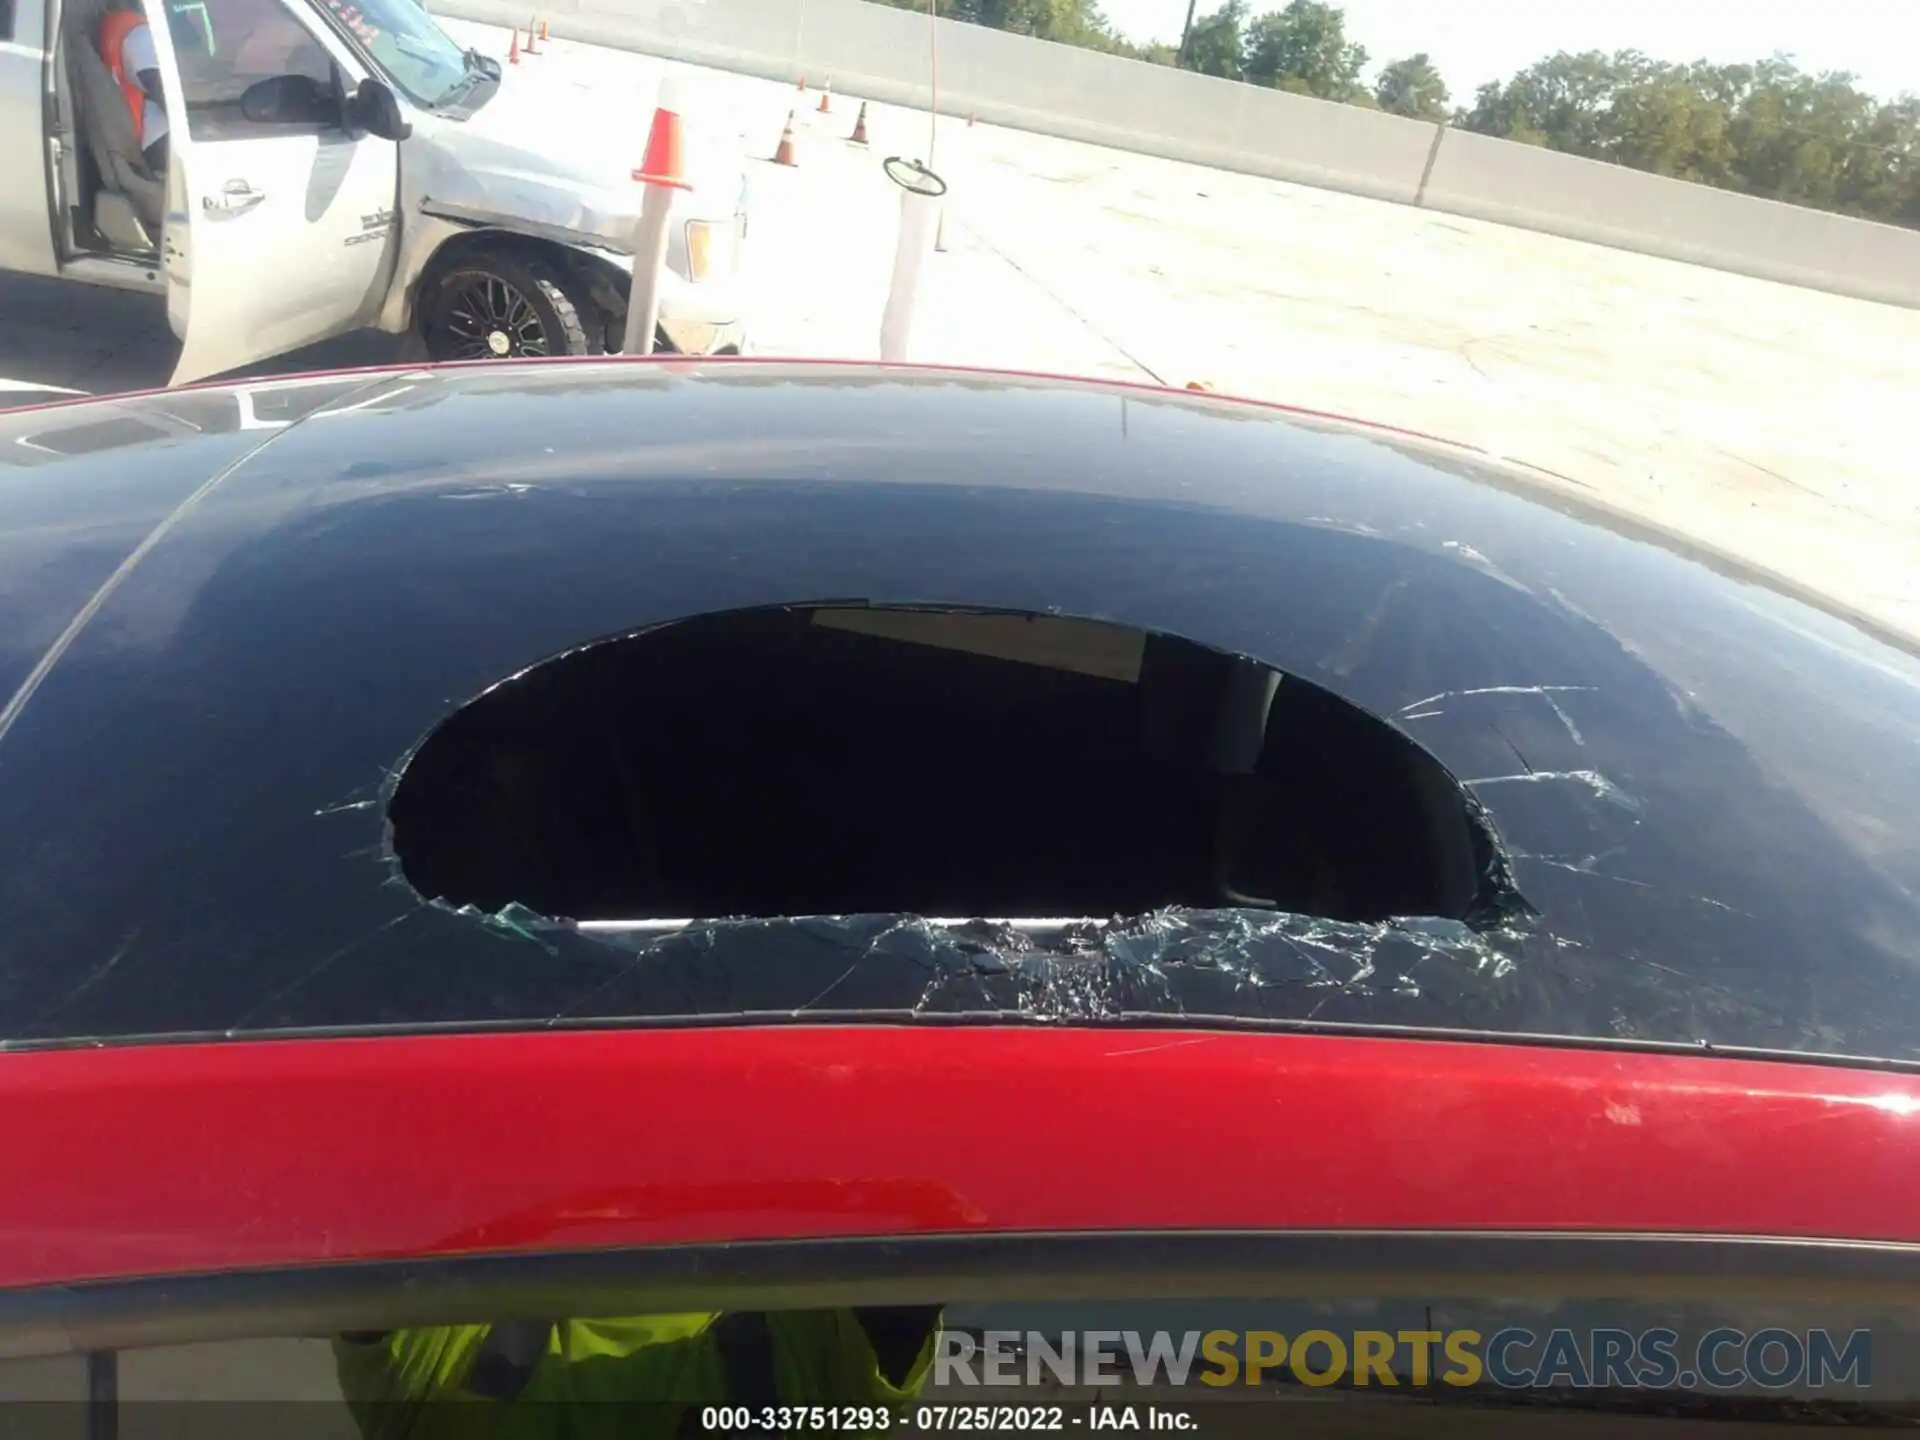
(402,41)
(225,46)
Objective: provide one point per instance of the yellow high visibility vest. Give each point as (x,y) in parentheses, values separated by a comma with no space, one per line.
(634,1379)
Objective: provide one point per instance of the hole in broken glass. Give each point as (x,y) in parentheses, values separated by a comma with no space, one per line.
(839,759)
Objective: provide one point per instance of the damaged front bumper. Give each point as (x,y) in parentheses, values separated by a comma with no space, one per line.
(702,292)
(701,337)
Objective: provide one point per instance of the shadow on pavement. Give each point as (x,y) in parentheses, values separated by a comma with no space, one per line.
(83,337)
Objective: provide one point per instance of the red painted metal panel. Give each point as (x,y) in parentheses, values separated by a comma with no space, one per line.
(174,1159)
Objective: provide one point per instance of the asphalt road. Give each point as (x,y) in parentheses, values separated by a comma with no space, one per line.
(80,337)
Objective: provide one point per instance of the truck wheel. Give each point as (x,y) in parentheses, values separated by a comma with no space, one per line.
(498,307)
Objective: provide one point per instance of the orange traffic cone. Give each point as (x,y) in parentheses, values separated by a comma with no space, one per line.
(859,136)
(530,49)
(543,32)
(826,97)
(784,155)
(666,157)
(513,50)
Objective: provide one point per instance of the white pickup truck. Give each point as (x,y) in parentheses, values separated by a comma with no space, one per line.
(344,164)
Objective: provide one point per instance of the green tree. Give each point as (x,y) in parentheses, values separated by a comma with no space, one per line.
(1562,101)
(1217,44)
(1669,122)
(1796,135)
(1767,128)
(1883,178)
(1071,22)
(1154,52)
(1412,87)
(1304,48)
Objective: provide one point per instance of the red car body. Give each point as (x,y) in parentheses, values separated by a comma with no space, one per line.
(188,1159)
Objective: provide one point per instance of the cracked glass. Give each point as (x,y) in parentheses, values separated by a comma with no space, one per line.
(1702,785)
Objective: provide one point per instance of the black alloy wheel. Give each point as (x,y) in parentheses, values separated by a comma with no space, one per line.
(500,307)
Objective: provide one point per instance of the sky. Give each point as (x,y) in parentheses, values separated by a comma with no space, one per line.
(1472,41)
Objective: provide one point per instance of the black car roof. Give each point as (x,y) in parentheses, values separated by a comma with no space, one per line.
(227,618)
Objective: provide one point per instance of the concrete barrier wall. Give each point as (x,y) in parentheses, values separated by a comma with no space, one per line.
(1537,189)
(876,52)
(880,53)
(1082,95)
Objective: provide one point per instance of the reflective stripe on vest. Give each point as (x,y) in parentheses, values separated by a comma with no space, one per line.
(113,45)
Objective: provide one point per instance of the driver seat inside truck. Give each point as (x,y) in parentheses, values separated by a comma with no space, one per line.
(128,202)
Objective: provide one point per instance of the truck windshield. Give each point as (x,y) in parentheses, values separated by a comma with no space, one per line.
(402,39)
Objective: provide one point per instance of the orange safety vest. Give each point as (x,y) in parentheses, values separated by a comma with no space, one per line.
(113,38)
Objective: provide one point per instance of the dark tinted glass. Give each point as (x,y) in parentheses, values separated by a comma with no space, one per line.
(1703,789)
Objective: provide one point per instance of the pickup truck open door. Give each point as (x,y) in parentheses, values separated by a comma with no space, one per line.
(282,208)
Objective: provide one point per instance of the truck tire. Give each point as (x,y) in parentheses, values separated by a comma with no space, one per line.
(496,305)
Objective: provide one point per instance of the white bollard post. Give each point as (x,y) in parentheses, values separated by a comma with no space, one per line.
(649,258)
(920,196)
(662,172)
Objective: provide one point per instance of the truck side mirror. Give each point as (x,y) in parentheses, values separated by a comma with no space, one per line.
(288,100)
(373,110)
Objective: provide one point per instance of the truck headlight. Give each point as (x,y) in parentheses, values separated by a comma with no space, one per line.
(709,248)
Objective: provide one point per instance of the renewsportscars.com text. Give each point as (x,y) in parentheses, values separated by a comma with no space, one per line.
(1514,1359)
